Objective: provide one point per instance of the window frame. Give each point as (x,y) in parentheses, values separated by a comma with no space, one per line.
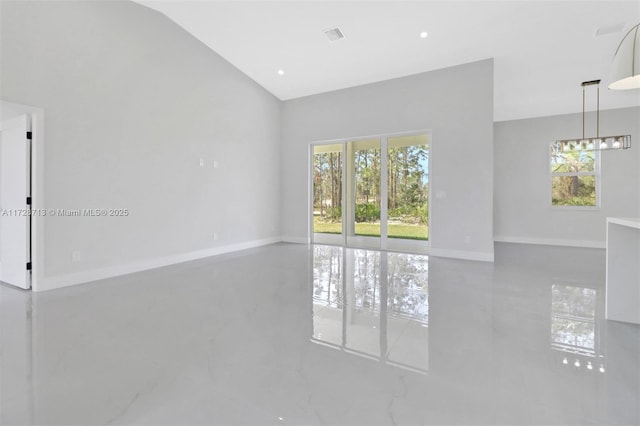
(596,173)
(386,243)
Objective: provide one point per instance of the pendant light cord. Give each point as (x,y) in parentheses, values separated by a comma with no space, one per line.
(583,111)
(598,114)
(591,83)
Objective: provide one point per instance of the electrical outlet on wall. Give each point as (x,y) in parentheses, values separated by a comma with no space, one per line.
(467,239)
(215,236)
(75,256)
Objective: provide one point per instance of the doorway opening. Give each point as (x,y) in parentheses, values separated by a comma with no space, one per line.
(372,192)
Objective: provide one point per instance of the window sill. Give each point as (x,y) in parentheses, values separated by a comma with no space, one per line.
(577,208)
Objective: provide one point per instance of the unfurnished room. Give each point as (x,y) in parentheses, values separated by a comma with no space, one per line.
(304,212)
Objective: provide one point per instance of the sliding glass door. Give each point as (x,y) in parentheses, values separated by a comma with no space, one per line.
(327,187)
(364,195)
(372,192)
(407,192)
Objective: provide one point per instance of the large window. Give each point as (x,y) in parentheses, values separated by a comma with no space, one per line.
(574,175)
(327,189)
(366,187)
(372,192)
(408,187)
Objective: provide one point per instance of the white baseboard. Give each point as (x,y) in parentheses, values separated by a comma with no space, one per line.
(461,254)
(60,281)
(295,240)
(51,283)
(550,242)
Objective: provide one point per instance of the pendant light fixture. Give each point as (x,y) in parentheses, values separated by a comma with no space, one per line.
(625,70)
(597,143)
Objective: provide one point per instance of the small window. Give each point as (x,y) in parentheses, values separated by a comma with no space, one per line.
(574,176)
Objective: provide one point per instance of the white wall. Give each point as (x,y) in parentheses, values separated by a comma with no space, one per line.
(132,103)
(523,211)
(456,104)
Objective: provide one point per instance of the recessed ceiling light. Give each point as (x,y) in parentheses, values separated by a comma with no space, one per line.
(280,72)
(423,34)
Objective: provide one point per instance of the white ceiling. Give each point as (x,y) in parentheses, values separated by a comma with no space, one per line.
(543,50)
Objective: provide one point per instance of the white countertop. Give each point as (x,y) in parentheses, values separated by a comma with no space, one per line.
(632,222)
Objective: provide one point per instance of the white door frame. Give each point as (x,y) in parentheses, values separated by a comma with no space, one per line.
(421,247)
(9,110)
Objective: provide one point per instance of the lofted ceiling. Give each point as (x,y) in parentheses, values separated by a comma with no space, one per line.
(542,50)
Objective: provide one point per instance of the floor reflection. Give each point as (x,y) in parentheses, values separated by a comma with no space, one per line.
(573,314)
(285,334)
(16,356)
(373,304)
(574,329)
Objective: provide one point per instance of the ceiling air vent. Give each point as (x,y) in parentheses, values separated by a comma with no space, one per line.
(334,34)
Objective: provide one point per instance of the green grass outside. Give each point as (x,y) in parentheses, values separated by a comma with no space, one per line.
(394,230)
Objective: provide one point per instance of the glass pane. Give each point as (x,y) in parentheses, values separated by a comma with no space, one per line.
(571,160)
(366,158)
(573,190)
(408,187)
(327,189)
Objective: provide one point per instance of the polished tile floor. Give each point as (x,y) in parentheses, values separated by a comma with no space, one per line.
(303,335)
